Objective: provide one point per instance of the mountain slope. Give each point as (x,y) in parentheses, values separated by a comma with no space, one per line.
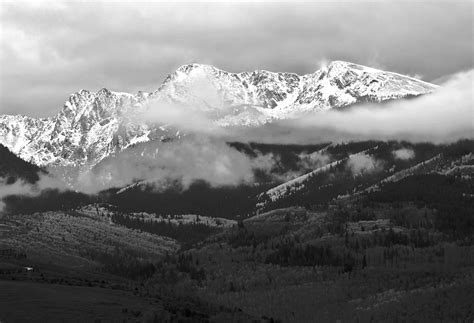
(91,126)
(13,168)
(369,170)
(337,85)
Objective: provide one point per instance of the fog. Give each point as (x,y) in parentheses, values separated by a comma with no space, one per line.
(23,188)
(404,154)
(181,162)
(440,117)
(313,160)
(363,163)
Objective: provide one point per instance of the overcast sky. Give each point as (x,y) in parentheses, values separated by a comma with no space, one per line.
(49,51)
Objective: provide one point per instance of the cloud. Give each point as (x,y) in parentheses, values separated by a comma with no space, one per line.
(313,160)
(181,162)
(404,153)
(265,162)
(202,154)
(190,118)
(17,188)
(362,163)
(443,116)
(48,52)
(23,188)
(440,117)
(184,162)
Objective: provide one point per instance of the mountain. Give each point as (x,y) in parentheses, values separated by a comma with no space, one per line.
(93,125)
(338,85)
(378,167)
(299,175)
(252,98)
(351,170)
(88,128)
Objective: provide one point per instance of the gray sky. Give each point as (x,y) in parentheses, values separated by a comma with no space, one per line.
(50,50)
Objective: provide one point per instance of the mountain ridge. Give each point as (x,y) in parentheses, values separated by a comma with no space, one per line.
(93,125)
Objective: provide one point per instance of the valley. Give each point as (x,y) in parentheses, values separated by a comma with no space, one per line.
(376,239)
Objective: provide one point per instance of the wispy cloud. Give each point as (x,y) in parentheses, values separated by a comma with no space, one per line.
(203,154)
(313,160)
(404,153)
(23,188)
(183,161)
(362,163)
(440,117)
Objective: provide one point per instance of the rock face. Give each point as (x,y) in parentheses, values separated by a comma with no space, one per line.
(91,126)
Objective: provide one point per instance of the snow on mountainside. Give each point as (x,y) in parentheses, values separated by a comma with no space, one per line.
(88,128)
(253,98)
(92,126)
(296,184)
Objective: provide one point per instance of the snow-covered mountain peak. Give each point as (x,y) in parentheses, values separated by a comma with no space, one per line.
(93,125)
(89,127)
(336,85)
(341,83)
(342,69)
(192,73)
(196,68)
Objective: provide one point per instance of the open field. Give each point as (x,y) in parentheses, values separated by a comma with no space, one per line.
(36,302)
(76,238)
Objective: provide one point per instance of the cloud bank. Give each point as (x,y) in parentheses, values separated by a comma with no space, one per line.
(441,117)
(180,162)
(22,188)
(313,160)
(362,163)
(444,116)
(404,153)
(202,154)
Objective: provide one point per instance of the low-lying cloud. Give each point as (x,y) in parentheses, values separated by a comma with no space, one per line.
(313,160)
(26,189)
(404,154)
(184,161)
(443,116)
(190,118)
(363,163)
(440,117)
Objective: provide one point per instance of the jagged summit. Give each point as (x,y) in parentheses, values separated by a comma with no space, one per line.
(187,68)
(89,127)
(337,84)
(93,125)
